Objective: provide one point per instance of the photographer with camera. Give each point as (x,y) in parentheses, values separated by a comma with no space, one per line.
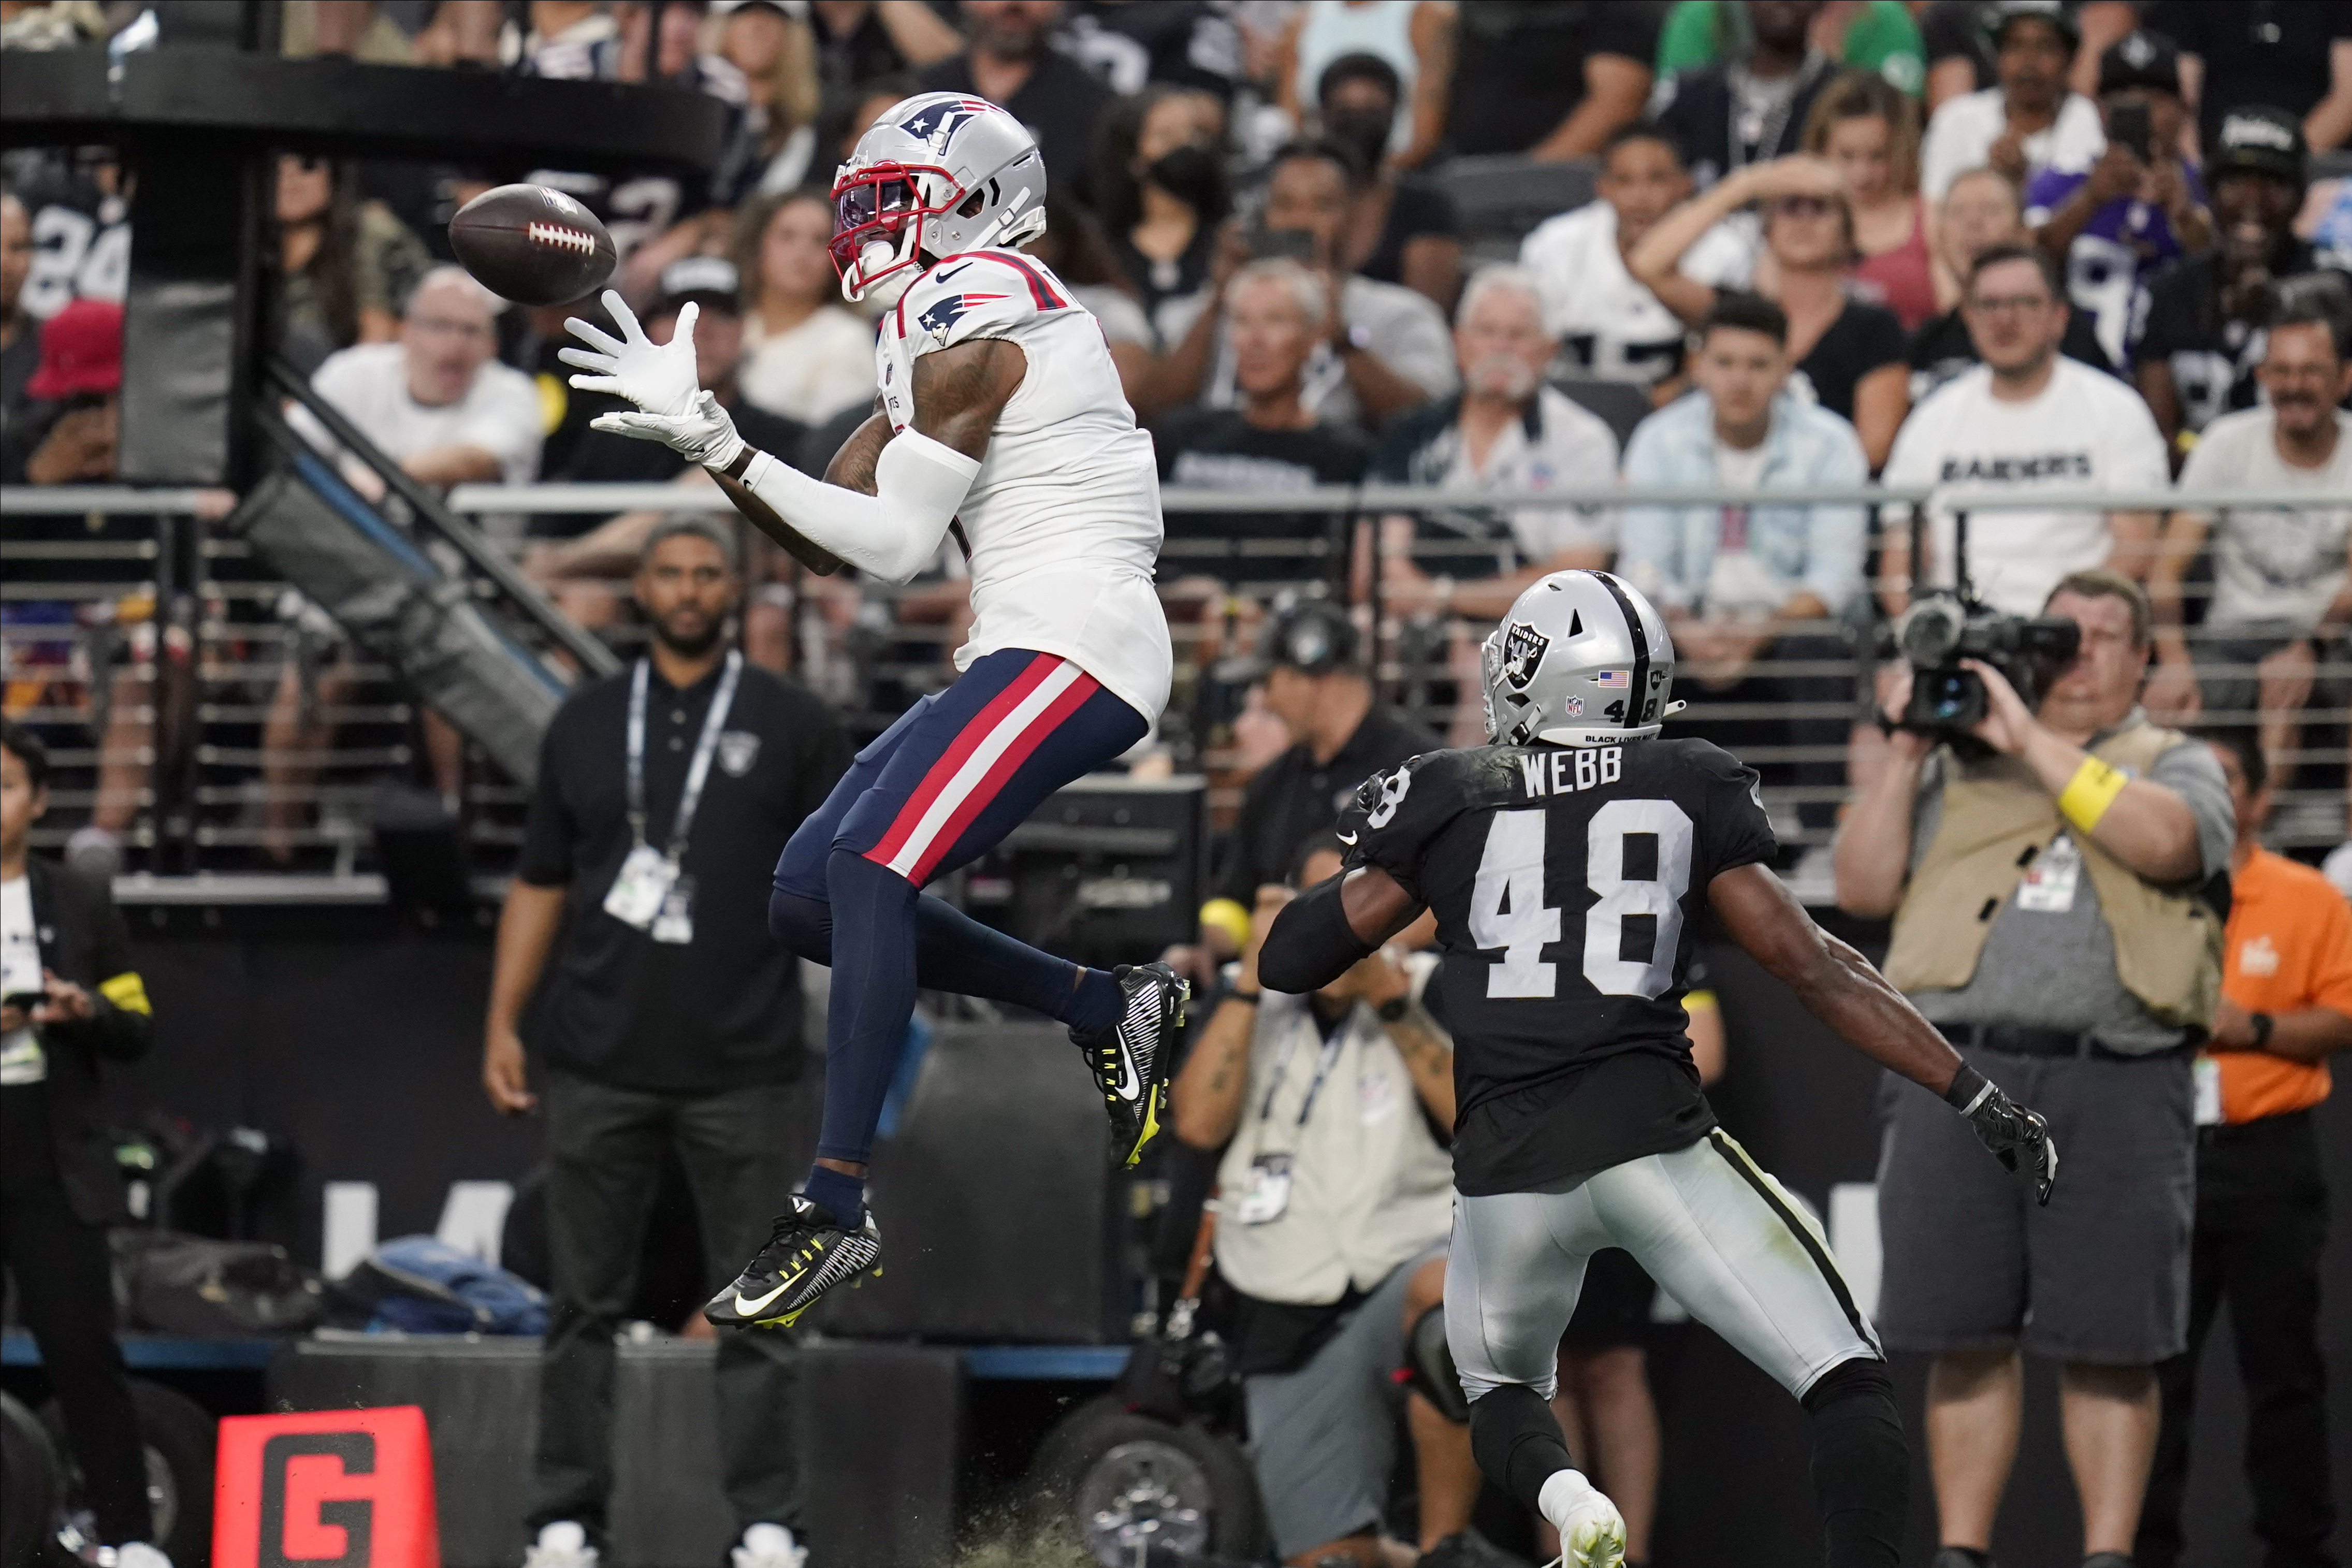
(2048,868)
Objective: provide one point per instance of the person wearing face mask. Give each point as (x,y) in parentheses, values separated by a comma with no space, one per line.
(1163,188)
(2199,352)
(1402,229)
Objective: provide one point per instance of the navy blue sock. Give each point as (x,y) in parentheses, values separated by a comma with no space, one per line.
(873,997)
(840,1196)
(955,953)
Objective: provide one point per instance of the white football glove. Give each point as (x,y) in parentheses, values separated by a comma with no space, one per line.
(659,378)
(704,434)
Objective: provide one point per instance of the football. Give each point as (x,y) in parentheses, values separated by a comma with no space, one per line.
(533,244)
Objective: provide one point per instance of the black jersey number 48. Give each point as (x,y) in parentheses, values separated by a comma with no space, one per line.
(1643,912)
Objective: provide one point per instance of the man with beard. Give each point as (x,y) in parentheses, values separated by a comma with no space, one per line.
(676,1028)
(2028,123)
(2197,356)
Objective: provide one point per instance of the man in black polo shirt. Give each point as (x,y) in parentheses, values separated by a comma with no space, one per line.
(670,1019)
(1340,737)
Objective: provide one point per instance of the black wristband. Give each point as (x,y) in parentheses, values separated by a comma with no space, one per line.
(2261,1024)
(1967,1086)
(1251,998)
(1393,1008)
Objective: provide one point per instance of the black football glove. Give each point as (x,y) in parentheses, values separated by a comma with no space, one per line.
(2019,1139)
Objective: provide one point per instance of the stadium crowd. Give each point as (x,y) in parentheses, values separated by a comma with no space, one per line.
(2033,245)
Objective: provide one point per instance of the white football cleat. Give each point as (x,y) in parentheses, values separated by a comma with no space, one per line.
(1591,1531)
(769,1546)
(563,1544)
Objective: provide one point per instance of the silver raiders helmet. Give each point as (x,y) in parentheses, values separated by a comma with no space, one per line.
(1582,659)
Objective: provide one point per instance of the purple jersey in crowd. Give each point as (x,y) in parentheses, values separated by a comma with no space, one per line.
(2126,243)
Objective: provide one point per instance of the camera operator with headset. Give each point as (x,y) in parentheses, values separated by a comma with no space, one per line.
(2053,871)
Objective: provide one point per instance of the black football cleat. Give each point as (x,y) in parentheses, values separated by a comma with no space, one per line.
(1131,1059)
(807,1255)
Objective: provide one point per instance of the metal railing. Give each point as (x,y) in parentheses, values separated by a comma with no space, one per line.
(183,708)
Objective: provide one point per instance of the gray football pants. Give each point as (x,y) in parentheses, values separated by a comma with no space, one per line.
(1713,1230)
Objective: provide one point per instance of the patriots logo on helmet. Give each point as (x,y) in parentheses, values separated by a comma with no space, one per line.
(1523,650)
(939,120)
(948,310)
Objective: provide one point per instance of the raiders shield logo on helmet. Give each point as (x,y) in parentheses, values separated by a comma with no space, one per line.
(1523,650)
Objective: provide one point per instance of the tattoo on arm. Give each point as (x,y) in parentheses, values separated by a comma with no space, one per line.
(853,466)
(958,392)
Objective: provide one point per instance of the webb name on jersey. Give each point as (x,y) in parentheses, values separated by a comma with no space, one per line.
(1567,884)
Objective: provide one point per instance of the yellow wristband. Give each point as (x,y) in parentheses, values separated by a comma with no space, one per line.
(1227,916)
(2089,793)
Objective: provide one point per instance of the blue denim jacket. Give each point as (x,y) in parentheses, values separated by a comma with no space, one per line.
(1667,551)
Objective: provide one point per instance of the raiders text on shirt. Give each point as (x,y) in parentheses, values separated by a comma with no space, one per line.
(2014,470)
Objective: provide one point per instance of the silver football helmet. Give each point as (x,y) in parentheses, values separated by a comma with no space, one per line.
(942,173)
(1582,659)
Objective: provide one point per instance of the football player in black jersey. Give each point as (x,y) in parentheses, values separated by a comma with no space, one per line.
(1567,862)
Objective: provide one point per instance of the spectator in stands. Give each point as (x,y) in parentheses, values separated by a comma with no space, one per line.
(1610,327)
(74,1007)
(1270,440)
(1412,37)
(436,402)
(2261,1192)
(670,1021)
(71,415)
(1869,131)
(1080,255)
(2197,356)
(560,39)
(2282,590)
(2027,420)
(2296,57)
(2116,224)
(1958,55)
(345,265)
(2028,122)
(2051,917)
(1505,431)
(20,334)
(1011,60)
(1746,590)
(1334,1112)
(774,148)
(1161,182)
(1877,36)
(1552,81)
(805,357)
(1981,210)
(1189,44)
(1317,684)
(1402,228)
(351,29)
(859,43)
(1849,352)
(1381,349)
(1750,107)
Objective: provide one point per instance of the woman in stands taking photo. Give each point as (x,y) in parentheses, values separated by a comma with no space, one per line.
(1848,354)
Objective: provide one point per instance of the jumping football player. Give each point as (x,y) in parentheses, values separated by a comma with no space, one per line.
(1001,422)
(1568,862)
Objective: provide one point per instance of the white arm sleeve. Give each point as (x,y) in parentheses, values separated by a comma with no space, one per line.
(893,533)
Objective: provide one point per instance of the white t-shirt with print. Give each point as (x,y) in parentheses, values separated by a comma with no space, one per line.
(1575,450)
(2086,432)
(2271,564)
(368,385)
(1608,325)
(21,1061)
(1960,137)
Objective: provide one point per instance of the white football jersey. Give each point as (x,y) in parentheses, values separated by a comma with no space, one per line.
(1062,521)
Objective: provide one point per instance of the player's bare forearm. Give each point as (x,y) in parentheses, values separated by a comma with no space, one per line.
(852,467)
(1836,984)
(794,542)
(958,392)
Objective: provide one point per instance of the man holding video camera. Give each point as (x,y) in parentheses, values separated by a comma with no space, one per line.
(2053,871)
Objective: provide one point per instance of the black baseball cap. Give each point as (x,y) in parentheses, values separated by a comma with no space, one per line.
(1998,16)
(710,281)
(2260,138)
(2140,60)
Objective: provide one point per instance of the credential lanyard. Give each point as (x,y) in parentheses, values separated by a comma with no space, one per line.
(1282,1069)
(697,770)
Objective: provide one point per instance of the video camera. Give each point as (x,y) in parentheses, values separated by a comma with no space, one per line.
(1941,627)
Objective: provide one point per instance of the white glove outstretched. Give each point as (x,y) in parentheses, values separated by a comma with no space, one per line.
(659,378)
(703,435)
